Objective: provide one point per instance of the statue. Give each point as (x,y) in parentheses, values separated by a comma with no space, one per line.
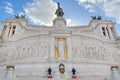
(61,48)
(99,18)
(22,16)
(17,16)
(73,71)
(49,71)
(93,17)
(96,18)
(59,12)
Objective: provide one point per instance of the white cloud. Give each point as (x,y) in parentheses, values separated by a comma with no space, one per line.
(83,1)
(8,8)
(89,7)
(109,7)
(21,13)
(41,11)
(68,21)
(9,4)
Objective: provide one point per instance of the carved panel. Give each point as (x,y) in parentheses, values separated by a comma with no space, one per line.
(88,51)
(25,52)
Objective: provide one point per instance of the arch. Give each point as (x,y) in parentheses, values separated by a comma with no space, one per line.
(13,30)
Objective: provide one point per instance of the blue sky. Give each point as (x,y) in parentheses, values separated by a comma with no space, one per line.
(77,12)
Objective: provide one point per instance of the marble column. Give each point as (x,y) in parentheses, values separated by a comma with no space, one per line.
(11,31)
(7,31)
(101,31)
(52,48)
(69,48)
(110,32)
(106,33)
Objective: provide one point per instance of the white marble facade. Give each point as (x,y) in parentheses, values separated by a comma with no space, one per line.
(90,49)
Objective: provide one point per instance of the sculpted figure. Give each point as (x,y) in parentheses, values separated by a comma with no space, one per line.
(59,12)
(99,18)
(94,17)
(22,16)
(17,16)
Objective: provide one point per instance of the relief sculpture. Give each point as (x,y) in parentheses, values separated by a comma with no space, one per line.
(21,53)
(89,52)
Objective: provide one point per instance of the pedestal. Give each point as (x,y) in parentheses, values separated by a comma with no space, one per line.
(74,76)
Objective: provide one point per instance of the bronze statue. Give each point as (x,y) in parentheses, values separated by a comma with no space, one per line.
(99,18)
(22,16)
(96,18)
(17,16)
(93,17)
(59,12)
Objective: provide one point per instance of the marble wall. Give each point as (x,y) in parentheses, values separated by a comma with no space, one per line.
(23,51)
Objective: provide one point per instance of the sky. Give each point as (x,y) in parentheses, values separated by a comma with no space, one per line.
(76,12)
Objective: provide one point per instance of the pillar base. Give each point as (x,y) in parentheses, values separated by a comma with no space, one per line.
(50,76)
(74,76)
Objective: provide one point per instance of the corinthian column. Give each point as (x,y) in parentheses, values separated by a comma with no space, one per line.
(110,32)
(106,33)
(52,48)
(69,48)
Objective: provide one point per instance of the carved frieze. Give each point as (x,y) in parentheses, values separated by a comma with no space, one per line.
(25,52)
(88,51)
